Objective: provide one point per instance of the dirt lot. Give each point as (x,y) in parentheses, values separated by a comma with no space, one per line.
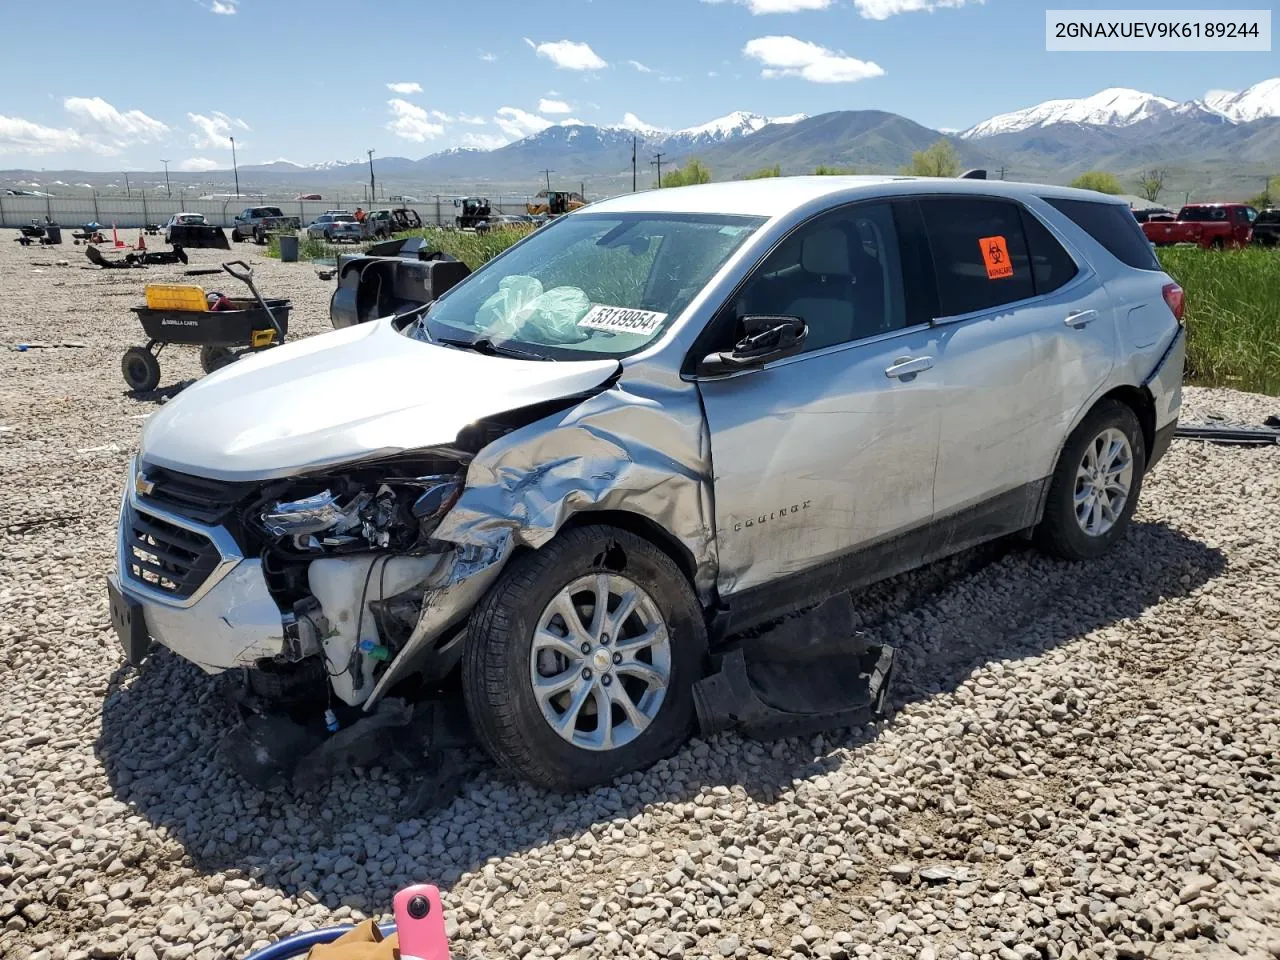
(1083,759)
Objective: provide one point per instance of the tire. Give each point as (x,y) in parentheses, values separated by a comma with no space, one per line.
(1217,244)
(215,358)
(498,664)
(141,369)
(260,237)
(1062,532)
(235,236)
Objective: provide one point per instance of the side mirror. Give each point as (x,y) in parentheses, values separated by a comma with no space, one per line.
(765,339)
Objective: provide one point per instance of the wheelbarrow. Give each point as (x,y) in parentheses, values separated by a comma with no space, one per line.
(224,330)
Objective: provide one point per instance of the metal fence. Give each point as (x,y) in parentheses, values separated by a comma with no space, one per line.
(131,213)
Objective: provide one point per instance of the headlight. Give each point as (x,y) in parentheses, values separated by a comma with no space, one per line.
(398,513)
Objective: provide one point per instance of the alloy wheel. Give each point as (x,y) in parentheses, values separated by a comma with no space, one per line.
(1103,481)
(600,663)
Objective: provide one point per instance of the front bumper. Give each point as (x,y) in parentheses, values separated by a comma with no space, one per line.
(228,619)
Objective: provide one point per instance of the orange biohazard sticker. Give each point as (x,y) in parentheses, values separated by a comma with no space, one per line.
(995,253)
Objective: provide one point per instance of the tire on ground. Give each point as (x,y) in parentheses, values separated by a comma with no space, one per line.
(1059,532)
(496,662)
(215,358)
(141,369)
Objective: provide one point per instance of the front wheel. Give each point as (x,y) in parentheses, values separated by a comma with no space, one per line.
(141,369)
(580,661)
(1094,489)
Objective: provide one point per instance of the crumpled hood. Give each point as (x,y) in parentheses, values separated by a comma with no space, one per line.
(343,396)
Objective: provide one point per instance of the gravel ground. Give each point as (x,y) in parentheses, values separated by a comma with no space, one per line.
(1082,761)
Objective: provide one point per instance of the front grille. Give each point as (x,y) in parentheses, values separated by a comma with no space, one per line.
(200,499)
(165,556)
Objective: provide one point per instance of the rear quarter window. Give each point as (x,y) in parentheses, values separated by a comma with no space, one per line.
(1112,226)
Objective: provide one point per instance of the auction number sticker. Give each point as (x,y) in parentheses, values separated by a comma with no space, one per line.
(995,253)
(622,320)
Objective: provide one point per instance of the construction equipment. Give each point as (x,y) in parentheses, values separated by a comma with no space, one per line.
(186,314)
(553,203)
(475,211)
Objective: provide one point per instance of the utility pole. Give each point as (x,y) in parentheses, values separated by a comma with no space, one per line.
(633,163)
(166,179)
(373,195)
(127,191)
(1002,173)
(548,172)
(657,160)
(235,166)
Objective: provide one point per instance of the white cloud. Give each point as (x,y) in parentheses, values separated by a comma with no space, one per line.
(199,165)
(631,122)
(488,57)
(23,136)
(573,122)
(640,66)
(127,127)
(405,87)
(884,9)
(517,123)
(410,122)
(474,121)
(789,57)
(226,8)
(568,54)
(553,106)
(779,6)
(484,141)
(215,130)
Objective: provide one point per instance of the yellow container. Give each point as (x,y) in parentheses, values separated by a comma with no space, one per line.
(176,296)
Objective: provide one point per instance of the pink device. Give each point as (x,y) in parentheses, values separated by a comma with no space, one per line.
(420,923)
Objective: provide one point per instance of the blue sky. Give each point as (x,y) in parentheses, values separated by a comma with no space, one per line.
(306,82)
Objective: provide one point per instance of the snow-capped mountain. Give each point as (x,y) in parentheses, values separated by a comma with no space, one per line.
(1260,101)
(740,123)
(1114,107)
(1122,107)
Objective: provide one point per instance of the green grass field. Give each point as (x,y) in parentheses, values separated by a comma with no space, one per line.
(1233,315)
(1233,302)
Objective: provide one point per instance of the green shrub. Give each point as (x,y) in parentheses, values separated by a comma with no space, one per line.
(765,173)
(1233,324)
(1098,180)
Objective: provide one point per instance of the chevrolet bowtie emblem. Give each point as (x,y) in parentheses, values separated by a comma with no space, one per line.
(141,485)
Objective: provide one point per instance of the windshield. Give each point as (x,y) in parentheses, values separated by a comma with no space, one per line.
(589,284)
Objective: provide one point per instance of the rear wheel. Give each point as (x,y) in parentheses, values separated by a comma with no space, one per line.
(141,369)
(1217,244)
(580,661)
(1094,490)
(215,358)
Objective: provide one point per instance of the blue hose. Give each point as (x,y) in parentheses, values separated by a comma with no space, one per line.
(297,945)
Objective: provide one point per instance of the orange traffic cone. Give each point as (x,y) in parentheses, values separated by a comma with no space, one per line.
(115,236)
(142,243)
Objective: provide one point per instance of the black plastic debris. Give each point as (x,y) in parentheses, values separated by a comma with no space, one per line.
(809,674)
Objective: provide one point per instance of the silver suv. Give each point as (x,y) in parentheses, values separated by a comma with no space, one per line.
(657,421)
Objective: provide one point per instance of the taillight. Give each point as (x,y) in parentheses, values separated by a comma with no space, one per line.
(1173,296)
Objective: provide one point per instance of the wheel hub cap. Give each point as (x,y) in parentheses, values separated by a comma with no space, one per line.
(600,661)
(1103,481)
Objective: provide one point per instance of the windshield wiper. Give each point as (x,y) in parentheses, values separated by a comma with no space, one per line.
(486,346)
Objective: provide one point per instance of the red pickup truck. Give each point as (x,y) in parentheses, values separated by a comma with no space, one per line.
(1216,225)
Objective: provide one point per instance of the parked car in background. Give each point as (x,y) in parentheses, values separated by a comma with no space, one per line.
(1210,225)
(883,371)
(183,220)
(308,196)
(335,227)
(257,223)
(382,224)
(1266,229)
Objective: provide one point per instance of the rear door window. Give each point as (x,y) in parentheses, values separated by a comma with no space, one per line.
(1110,225)
(979,253)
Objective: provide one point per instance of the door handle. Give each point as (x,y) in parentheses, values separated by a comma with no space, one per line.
(908,366)
(1080,319)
